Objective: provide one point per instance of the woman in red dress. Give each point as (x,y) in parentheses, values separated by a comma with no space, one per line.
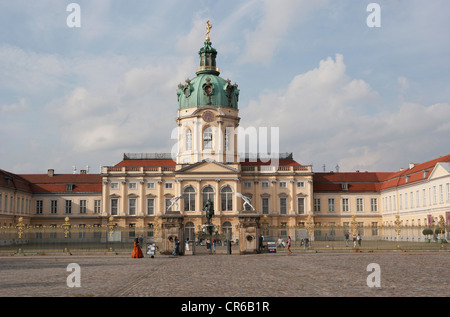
(137,252)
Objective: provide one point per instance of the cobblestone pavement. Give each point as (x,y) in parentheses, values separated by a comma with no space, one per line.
(403,274)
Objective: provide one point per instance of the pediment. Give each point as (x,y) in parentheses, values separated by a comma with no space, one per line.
(440,170)
(207,167)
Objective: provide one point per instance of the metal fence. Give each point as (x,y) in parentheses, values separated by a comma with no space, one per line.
(339,238)
(71,239)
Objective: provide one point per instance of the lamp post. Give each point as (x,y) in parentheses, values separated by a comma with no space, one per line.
(66,227)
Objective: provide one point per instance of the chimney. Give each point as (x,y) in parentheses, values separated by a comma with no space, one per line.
(411,165)
(82,171)
(51,172)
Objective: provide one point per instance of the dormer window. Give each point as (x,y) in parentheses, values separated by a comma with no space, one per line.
(69,187)
(344,186)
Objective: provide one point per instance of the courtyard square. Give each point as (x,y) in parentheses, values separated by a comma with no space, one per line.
(307,274)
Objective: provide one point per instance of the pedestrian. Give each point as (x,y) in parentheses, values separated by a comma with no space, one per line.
(187,244)
(261,239)
(141,241)
(354,241)
(346,239)
(176,248)
(359,239)
(289,244)
(137,252)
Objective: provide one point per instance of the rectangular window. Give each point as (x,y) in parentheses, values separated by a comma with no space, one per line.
(447,189)
(434,195)
(132,185)
(39,207)
(265,184)
(441,194)
(331,205)
(150,206)
(400,201)
(424,197)
(300,184)
(301,205)
(68,206)
(132,206)
(132,230)
(114,185)
(359,205)
(168,185)
(406,200)
(168,203)
(247,185)
(283,205)
(345,206)
(83,204)
(283,185)
(316,204)
(265,206)
(373,204)
(53,206)
(97,206)
(150,185)
(114,206)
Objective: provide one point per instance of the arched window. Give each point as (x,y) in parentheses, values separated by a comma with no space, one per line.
(207,193)
(227,140)
(189,199)
(188,140)
(227,229)
(226,195)
(189,231)
(207,139)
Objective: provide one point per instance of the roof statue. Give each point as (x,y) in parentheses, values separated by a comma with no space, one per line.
(247,201)
(208,29)
(173,201)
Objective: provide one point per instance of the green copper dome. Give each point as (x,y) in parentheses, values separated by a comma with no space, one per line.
(207,88)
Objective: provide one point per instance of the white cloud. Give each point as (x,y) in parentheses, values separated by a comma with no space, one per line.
(322,121)
(277,18)
(15,107)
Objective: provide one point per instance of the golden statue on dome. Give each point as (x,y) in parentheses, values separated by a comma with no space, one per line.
(208,29)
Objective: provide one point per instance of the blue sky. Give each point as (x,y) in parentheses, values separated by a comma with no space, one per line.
(340,92)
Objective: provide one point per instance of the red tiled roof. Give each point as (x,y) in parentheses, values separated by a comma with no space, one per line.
(43,183)
(356,181)
(11,180)
(374,181)
(414,174)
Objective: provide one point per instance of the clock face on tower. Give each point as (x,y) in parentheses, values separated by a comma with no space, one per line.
(208,116)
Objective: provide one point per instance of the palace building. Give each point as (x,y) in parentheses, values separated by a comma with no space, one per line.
(142,187)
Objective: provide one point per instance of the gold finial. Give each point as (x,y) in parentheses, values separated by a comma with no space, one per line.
(208,29)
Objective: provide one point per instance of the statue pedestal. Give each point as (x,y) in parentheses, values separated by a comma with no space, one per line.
(171,227)
(249,228)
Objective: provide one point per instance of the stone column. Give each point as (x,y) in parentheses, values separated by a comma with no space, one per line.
(171,227)
(249,230)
